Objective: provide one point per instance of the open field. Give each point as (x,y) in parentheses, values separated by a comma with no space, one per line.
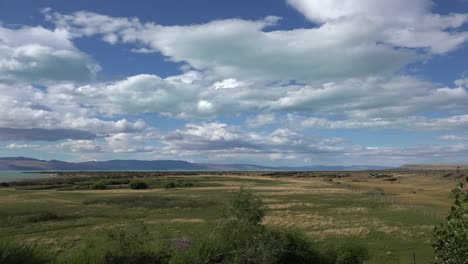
(391,212)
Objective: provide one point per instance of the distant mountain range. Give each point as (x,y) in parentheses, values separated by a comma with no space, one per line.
(448,166)
(23,163)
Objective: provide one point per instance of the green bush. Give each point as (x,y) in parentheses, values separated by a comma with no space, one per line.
(117,181)
(99,186)
(14,253)
(187,184)
(130,245)
(451,238)
(170,185)
(295,247)
(240,237)
(244,207)
(43,217)
(138,185)
(343,251)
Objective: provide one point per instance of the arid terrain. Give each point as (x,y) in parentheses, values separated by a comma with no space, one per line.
(392,212)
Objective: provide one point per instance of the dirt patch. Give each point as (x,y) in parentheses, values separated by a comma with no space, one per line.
(352,210)
(348,231)
(187,220)
(277,206)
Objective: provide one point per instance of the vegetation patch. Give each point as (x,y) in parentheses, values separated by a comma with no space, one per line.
(43,217)
(12,252)
(151,202)
(138,185)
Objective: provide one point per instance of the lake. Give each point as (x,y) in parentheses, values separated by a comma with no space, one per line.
(7,176)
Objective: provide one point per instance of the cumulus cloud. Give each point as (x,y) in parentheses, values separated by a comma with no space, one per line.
(229,83)
(242,49)
(115,143)
(21,146)
(342,72)
(408,24)
(261,120)
(25,107)
(416,123)
(36,54)
(454,137)
(219,141)
(222,138)
(374,97)
(353,39)
(80,146)
(462,82)
(356,99)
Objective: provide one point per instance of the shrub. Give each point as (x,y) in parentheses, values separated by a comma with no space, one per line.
(295,247)
(130,245)
(244,206)
(342,250)
(4,184)
(99,186)
(187,184)
(240,237)
(451,237)
(14,253)
(138,185)
(117,181)
(170,185)
(43,217)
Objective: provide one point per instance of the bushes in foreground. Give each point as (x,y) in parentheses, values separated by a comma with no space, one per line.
(132,245)
(451,237)
(14,253)
(43,217)
(239,237)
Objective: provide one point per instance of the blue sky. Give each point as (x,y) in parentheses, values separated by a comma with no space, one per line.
(287,82)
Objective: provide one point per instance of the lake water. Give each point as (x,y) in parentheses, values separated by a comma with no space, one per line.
(7,176)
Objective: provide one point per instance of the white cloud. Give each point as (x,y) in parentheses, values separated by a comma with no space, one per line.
(242,49)
(408,24)
(323,11)
(204,107)
(227,143)
(217,138)
(36,54)
(341,73)
(416,123)
(192,95)
(462,82)
(228,84)
(80,146)
(138,94)
(454,137)
(374,98)
(262,120)
(354,39)
(21,146)
(115,143)
(27,107)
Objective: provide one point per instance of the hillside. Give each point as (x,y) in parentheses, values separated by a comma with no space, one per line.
(22,163)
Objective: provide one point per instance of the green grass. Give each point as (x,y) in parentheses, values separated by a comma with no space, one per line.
(62,220)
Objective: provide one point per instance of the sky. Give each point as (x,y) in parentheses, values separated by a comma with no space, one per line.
(278,83)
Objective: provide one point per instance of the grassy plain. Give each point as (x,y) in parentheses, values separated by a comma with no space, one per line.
(393,215)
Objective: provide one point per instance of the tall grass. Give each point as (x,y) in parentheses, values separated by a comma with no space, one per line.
(239,237)
(12,252)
